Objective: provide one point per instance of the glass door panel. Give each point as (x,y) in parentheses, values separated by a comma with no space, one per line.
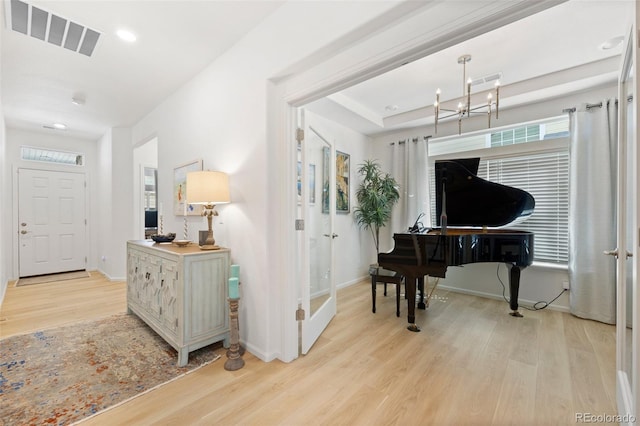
(316,192)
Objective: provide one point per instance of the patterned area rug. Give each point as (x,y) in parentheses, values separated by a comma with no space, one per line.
(65,374)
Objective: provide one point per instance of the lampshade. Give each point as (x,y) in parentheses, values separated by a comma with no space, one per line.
(207,187)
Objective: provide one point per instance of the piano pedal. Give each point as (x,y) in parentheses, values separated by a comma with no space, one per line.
(516,314)
(413,327)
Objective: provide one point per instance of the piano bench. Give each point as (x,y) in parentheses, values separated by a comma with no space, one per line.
(381,275)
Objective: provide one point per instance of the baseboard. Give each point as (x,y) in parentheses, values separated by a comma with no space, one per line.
(258,353)
(109,277)
(353,282)
(521,302)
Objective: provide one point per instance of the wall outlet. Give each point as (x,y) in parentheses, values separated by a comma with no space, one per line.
(565,285)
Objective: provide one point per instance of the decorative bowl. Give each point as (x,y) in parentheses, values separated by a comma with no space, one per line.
(181,243)
(163,238)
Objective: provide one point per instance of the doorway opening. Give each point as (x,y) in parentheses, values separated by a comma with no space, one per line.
(145,202)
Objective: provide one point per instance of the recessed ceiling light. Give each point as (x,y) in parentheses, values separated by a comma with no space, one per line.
(78,100)
(126,35)
(59,126)
(612,43)
(391,107)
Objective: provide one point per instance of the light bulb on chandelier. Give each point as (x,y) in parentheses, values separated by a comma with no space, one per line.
(465,110)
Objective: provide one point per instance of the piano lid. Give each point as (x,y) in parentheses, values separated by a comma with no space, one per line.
(473,201)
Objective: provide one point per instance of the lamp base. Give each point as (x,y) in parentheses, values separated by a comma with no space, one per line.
(209,247)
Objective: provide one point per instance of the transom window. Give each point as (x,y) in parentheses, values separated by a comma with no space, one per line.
(51,156)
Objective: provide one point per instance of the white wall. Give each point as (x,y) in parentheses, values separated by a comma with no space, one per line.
(220,116)
(115,188)
(537,283)
(354,247)
(15,138)
(5,202)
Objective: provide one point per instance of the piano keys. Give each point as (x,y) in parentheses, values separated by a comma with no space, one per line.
(470,201)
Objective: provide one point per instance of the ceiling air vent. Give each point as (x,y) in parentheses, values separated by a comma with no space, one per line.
(45,26)
(486,79)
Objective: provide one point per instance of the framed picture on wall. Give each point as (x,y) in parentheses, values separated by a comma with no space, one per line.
(343,165)
(299,182)
(326,168)
(311,177)
(180,206)
(312,184)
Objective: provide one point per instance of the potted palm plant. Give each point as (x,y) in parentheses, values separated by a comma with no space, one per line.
(376,195)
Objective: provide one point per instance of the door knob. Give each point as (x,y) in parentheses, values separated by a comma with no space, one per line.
(613,253)
(23,232)
(23,224)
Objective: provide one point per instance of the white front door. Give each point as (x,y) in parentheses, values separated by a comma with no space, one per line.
(317,201)
(628,230)
(52,222)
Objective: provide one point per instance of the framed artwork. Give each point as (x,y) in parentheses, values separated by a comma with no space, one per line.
(299,182)
(343,166)
(180,206)
(312,183)
(326,168)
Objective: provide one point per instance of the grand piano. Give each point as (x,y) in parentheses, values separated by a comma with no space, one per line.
(470,208)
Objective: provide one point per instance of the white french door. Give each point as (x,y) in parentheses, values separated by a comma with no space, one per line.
(627,234)
(317,206)
(51,222)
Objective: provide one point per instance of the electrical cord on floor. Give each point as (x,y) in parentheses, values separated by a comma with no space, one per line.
(535,306)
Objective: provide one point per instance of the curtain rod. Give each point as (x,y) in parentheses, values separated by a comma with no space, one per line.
(598,105)
(415,140)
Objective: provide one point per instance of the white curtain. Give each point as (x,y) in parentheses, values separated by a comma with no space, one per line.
(409,168)
(592,212)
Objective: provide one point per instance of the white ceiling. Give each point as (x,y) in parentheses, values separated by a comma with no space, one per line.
(122,82)
(544,55)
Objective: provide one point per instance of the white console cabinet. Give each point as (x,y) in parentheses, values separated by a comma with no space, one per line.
(180,292)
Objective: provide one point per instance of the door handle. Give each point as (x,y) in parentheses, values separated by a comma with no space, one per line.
(23,232)
(23,224)
(332,235)
(615,253)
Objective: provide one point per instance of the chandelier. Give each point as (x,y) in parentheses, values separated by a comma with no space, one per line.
(464,109)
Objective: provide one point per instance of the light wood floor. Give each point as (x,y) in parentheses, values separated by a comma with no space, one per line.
(472,364)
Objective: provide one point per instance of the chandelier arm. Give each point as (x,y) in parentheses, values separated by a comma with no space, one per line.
(453,114)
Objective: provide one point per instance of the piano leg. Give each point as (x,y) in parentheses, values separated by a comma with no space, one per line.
(373,292)
(421,304)
(410,289)
(514,286)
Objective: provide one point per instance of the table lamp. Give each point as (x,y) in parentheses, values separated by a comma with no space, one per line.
(208,188)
